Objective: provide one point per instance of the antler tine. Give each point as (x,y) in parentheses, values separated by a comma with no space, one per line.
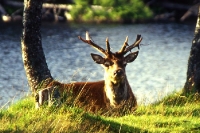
(135,44)
(124,45)
(107,45)
(91,43)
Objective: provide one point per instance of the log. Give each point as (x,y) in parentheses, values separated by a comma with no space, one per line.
(58,6)
(175,6)
(2,10)
(192,11)
(14,3)
(45,5)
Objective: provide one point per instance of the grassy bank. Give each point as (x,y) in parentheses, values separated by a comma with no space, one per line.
(174,113)
(109,11)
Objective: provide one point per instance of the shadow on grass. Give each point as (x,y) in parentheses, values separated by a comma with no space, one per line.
(112,126)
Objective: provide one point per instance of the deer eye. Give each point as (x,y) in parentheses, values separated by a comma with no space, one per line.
(108,63)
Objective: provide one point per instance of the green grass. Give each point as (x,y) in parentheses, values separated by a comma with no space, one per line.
(175,113)
(106,11)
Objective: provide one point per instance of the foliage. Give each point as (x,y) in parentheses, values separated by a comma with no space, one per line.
(110,11)
(175,113)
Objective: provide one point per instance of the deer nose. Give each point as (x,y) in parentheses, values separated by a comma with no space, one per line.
(118,72)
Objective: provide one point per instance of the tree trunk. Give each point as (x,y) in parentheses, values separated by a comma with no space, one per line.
(35,65)
(193,73)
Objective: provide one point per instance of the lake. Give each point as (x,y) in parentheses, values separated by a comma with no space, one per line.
(159,69)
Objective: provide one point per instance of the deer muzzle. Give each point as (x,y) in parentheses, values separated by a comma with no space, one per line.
(118,73)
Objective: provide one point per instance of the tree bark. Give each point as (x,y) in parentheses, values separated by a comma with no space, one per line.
(193,73)
(35,65)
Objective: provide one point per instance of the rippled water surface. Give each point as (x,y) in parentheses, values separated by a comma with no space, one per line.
(159,69)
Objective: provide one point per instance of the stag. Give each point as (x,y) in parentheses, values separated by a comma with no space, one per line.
(114,92)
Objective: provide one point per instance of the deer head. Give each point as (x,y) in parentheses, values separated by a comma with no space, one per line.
(114,64)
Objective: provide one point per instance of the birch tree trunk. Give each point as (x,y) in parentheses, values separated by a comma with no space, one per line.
(35,65)
(193,73)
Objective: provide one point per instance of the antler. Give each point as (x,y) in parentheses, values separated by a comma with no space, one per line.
(97,47)
(107,46)
(124,45)
(107,52)
(124,50)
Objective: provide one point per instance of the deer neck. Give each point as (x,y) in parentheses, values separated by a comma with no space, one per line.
(116,93)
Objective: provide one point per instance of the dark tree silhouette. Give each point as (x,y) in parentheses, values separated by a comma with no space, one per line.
(193,73)
(32,52)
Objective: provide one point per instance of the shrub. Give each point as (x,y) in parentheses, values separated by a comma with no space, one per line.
(109,10)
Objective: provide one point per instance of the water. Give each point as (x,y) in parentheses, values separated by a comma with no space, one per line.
(159,69)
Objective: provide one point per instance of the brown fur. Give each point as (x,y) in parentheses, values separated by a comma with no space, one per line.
(91,96)
(113,94)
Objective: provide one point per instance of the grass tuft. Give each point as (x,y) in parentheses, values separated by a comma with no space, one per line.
(174,113)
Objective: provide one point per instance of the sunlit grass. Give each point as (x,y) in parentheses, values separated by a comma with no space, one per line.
(175,113)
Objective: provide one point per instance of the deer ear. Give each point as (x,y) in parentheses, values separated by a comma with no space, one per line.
(131,57)
(97,58)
